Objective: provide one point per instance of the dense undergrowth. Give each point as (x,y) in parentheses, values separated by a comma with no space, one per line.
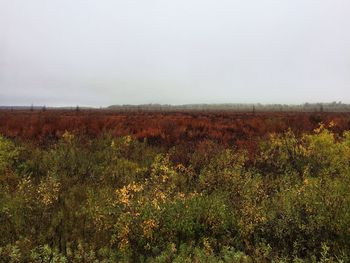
(121,200)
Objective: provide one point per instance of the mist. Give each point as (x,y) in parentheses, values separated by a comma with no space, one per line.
(98,53)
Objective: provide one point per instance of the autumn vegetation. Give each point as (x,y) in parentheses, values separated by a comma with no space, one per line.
(104,186)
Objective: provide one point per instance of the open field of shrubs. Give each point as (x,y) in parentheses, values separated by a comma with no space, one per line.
(121,199)
(164,128)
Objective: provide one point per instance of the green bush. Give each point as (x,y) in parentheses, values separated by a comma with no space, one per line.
(120,200)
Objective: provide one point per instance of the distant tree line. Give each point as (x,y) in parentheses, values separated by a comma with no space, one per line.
(258,107)
(235,107)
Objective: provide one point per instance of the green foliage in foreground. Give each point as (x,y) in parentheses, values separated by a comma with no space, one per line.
(120,200)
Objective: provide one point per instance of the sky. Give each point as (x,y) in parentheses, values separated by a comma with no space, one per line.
(104,52)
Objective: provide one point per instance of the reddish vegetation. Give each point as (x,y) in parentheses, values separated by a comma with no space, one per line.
(163,128)
(188,131)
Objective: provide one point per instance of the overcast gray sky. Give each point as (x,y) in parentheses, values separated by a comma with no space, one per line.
(102,52)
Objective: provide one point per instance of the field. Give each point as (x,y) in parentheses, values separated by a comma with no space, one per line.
(165,128)
(150,186)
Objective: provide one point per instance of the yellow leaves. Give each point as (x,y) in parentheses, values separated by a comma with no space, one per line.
(308,183)
(164,178)
(98,204)
(123,142)
(162,169)
(26,188)
(135,187)
(326,155)
(99,218)
(120,145)
(181,168)
(319,153)
(181,196)
(155,204)
(48,190)
(252,206)
(68,137)
(25,184)
(126,140)
(158,198)
(320,128)
(252,215)
(148,227)
(207,247)
(173,247)
(147,246)
(125,194)
(123,236)
(304,151)
(331,124)
(225,171)
(123,231)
